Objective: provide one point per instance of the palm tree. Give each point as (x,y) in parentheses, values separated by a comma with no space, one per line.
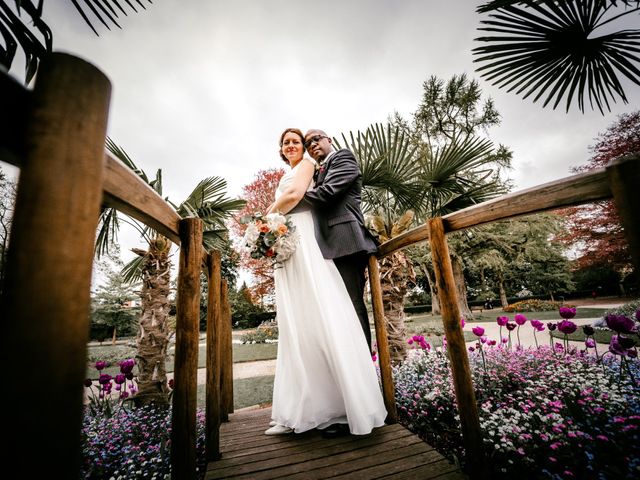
(16,30)
(152,267)
(404,184)
(550,47)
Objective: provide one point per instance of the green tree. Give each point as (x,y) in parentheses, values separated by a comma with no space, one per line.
(517,254)
(208,202)
(111,303)
(431,167)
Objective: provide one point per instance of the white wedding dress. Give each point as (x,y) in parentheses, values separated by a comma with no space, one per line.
(324,372)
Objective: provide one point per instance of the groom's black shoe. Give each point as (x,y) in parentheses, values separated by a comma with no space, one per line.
(336,430)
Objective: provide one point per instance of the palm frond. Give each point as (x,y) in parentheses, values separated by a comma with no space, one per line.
(548,49)
(132,271)
(104,11)
(108,226)
(121,155)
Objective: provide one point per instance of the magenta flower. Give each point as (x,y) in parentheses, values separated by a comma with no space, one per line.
(491,343)
(105,378)
(478,331)
(100,365)
(88,382)
(511,326)
(537,325)
(502,321)
(588,330)
(590,343)
(620,323)
(552,326)
(567,327)
(462,322)
(126,366)
(520,319)
(620,345)
(567,312)
(120,378)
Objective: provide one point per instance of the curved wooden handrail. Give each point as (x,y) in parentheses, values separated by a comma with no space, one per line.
(573,190)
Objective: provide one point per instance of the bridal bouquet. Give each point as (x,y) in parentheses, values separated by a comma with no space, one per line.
(270,236)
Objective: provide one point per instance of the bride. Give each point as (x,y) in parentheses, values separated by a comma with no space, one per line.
(324,372)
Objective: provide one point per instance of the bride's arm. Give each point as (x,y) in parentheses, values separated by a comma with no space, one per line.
(296,190)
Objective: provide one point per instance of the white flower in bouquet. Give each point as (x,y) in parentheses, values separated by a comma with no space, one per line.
(251,236)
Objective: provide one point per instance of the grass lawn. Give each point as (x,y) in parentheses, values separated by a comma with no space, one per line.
(246,392)
(241,353)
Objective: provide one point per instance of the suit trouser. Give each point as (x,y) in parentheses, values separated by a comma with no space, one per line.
(351,270)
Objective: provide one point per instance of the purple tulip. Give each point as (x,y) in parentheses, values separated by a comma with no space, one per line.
(504,339)
(478,331)
(620,345)
(552,326)
(105,378)
(620,323)
(590,343)
(126,366)
(129,375)
(100,365)
(88,382)
(567,327)
(567,312)
(120,378)
(502,321)
(471,349)
(124,394)
(537,324)
(511,326)
(520,319)
(588,330)
(462,322)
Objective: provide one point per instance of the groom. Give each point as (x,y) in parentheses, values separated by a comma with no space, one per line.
(338,218)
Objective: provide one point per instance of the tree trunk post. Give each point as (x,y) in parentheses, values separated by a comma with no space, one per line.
(226,352)
(185,390)
(384,357)
(214,312)
(46,301)
(624,178)
(456,347)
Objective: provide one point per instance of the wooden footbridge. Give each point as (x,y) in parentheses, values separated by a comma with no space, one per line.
(56,133)
(389,452)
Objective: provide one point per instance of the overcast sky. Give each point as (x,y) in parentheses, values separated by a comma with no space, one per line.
(204,88)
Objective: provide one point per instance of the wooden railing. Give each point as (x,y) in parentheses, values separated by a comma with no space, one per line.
(56,135)
(619,180)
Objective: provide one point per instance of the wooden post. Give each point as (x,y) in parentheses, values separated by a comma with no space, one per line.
(226,356)
(214,313)
(183,420)
(624,179)
(45,306)
(457,349)
(382,339)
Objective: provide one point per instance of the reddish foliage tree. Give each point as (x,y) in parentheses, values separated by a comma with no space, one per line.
(259,195)
(595,228)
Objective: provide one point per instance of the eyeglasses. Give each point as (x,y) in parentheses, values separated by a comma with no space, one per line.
(314,139)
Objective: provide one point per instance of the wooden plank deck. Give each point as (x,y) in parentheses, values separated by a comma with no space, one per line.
(389,452)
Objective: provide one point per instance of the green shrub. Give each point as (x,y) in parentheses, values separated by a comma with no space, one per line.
(628,309)
(534,305)
(260,335)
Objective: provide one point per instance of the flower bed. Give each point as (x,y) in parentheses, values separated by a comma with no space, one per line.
(533,305)
(544,412)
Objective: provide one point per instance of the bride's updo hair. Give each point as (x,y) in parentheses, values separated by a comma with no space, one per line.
(298,132)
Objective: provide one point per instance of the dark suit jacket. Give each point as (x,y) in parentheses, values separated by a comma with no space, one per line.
(335,200)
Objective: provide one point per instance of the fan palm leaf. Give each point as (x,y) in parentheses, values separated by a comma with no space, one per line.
(547,48)
(34,36)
